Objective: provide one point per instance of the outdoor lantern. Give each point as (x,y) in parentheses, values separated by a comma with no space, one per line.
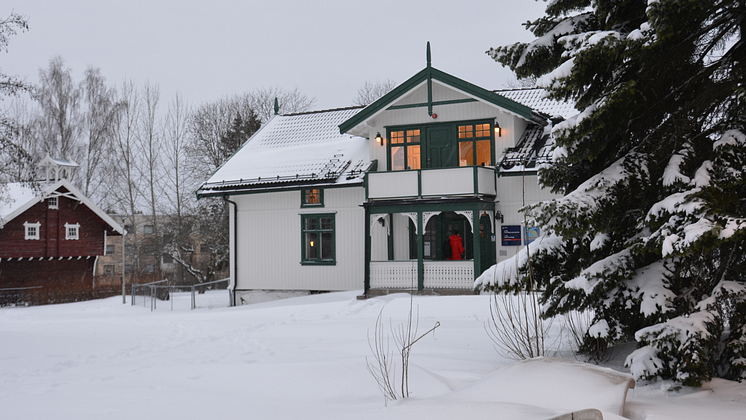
(379,139)
(497,130)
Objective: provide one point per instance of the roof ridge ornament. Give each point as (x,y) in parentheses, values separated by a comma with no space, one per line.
(429,56)
(277,106)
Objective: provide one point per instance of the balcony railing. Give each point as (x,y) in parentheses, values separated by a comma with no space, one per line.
(461,181)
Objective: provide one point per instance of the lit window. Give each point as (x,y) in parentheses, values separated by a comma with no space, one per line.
(312,197)
(72,232)
(108,270)
(475,145)
(318,239)
(53,202)
(32,230)
(405,156)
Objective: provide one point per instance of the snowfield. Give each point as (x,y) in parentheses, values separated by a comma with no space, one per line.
(301,358)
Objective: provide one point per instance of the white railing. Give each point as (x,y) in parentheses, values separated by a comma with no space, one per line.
(393,274)
(466,180)
(449,274)
(437,275)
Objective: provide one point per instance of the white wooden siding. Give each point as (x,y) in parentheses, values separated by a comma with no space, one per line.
(269,242)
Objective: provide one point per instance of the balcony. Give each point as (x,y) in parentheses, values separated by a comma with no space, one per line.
(444,182)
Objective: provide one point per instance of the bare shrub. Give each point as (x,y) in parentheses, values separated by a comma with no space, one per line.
(383,369)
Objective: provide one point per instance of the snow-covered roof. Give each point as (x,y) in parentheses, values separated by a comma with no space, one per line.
(304,148)
(532,150)
(16,198)
(536,99)
(48,160)
(13,196)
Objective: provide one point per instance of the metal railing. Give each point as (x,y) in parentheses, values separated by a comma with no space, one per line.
(155,287)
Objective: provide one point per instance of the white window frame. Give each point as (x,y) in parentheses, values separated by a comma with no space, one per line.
(28,235)
(72,231)
(54,202)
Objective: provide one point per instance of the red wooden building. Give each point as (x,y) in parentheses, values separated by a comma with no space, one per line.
(51,236)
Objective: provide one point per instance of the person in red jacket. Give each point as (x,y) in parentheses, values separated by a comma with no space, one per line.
(457,246)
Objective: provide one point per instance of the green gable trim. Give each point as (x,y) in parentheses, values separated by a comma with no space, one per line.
(436,103)
(426,75)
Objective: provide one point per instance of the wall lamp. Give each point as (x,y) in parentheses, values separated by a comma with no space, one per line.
(497,130)
(379,139)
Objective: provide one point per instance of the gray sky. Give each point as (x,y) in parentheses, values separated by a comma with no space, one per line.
(208,49)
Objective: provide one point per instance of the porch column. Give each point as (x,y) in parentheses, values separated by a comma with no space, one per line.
(476,242)
(420,253)
(366,281)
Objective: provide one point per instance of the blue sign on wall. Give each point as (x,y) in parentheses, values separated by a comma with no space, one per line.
(511,235)
(532,234)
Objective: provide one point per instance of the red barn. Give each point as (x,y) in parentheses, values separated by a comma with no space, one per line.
(51,236)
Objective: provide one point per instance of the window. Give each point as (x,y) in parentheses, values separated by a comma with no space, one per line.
(318,239)
(312,197)
(168,259)
(147,229)
(405,149)
(474,144)
(109,250)
(32,230)
(53,203)
(108,270)
(72,231)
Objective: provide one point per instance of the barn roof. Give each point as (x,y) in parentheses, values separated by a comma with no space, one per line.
(16,198)
(294,150)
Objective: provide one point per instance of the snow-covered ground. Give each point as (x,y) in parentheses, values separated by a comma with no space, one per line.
(301,358)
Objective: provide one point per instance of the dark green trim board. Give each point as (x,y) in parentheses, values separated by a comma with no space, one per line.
(425,76)
(436,103)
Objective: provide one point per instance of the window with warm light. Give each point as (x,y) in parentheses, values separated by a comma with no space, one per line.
(475,144)
(312,197)
(318,239)
(405,149)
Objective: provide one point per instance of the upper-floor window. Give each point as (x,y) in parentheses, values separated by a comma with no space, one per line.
(31,230)
(312,197)
(405,149)
(72,232)
(147,229)
(442,145)
(53,202)
(109,250)
(474,145)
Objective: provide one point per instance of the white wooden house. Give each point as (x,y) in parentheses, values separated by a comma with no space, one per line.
(365,198)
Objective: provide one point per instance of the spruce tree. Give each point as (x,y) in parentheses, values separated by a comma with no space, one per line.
(651,231)
(239,132)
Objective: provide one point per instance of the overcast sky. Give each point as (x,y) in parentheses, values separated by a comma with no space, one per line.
(208,49)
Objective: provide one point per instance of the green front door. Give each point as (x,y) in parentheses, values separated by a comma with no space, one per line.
(442,150)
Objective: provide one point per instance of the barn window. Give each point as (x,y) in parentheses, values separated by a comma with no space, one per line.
(318,239)
(72,232)
(32,230)
(110,250)
(53,203)
(108,270)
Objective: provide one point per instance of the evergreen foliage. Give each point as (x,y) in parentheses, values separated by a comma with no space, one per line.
(652,229)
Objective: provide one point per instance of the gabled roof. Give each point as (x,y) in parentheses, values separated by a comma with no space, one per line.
(533,150)
(427,75)
(293,150)
(17,198)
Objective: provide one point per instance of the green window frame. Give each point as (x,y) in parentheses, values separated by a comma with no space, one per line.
(407,145)
(405,149)
(312,197)
(318,239)
(475,144)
